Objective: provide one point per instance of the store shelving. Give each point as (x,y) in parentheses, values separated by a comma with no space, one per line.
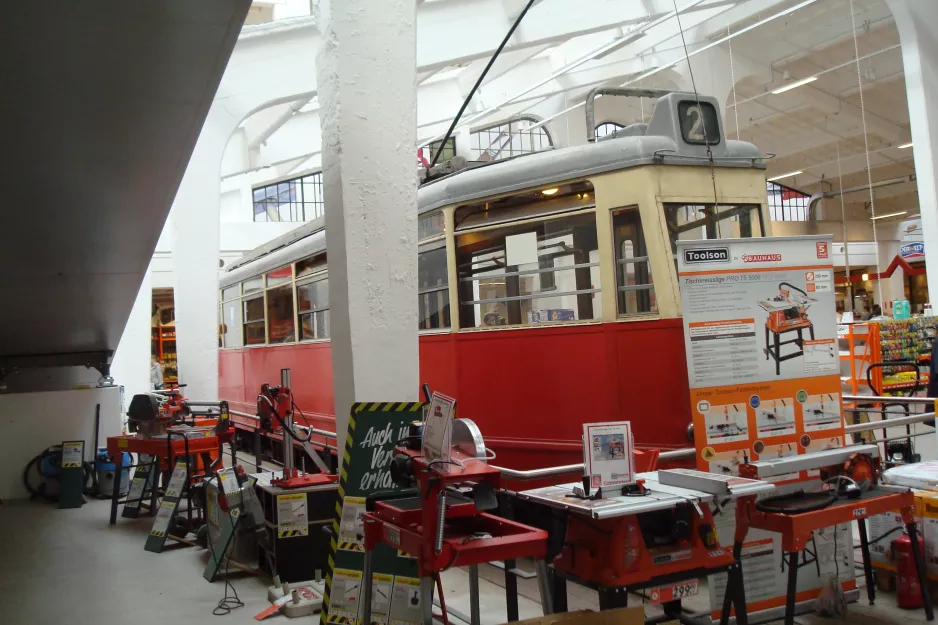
(163,339)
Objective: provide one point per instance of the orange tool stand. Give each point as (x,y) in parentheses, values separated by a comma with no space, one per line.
(797,530)
(200,441)
(662,538)
(442,528)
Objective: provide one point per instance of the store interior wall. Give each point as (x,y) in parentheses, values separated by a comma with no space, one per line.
(34,421)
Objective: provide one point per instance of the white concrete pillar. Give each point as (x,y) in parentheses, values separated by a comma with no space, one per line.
(195,219)
(366,72)
(917,22)
(130,367)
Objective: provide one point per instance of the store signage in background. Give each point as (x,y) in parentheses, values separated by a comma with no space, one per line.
(910,251)
(911,245)
(763,362)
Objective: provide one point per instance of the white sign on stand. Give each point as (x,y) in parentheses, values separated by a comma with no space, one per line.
(608,454)
(437,429)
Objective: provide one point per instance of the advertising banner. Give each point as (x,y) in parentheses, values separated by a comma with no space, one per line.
(760,337)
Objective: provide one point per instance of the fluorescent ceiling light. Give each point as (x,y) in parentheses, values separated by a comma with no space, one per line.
(792,85)
(550,191)
(788,175)
(889,215)
(905,145)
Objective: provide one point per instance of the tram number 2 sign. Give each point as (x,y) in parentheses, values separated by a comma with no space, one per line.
(674,592)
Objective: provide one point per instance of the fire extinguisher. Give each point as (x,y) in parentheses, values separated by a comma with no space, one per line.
(908,585)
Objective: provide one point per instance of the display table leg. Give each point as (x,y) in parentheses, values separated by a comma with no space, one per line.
(867,564)
(426,599)
(115,497)
(543,585)
(511,591)
(559,593)
(474,618)
(367,585)
(792,587)
(612,598)
(920,569)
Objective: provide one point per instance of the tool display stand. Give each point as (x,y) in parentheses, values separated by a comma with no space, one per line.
(442,527)
(294,551)
(614,544)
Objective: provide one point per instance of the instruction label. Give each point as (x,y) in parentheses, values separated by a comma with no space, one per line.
(72,454)
(292,518)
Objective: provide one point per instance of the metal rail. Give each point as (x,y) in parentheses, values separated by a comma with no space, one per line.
(876,399)
(315,431)
(889,423)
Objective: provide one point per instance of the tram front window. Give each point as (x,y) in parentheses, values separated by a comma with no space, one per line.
(536,272)
(695,222)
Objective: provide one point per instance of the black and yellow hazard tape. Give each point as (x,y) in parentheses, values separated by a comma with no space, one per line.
(351,546)
(289,533)
(157,533)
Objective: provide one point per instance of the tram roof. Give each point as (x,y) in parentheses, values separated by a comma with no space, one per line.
(659,142)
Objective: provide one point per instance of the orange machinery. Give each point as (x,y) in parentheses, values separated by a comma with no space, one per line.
(658,534)
(788,312)
(852,493)
(165,425)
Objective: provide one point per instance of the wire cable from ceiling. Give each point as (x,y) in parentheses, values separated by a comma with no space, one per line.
(690,70)
(866,147)
(848,305)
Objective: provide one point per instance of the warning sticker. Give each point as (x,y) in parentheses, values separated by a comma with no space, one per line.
(380,597)
(177,481)
(292,518)
(351,527)
(405,601)
(345,593)
(163,516)
(72,454)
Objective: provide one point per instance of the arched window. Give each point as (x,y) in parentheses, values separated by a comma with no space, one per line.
(607,128)
(785,203)
(509,138)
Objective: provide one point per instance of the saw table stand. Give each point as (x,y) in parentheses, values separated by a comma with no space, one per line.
(797,529)
(654,539)
(775,350)
(439,525)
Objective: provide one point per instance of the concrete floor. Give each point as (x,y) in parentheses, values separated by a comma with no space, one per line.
(70,566)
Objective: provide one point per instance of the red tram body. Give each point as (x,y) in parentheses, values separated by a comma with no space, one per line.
(615,354)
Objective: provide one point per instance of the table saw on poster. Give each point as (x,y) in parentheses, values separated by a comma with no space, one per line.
(787,312)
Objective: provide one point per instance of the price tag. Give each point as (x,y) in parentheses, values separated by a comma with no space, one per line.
(674,592)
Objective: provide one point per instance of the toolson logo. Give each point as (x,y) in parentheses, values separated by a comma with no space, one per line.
(761,258)
(707,255)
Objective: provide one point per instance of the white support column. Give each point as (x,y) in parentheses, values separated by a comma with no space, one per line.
(195,219)
(917,22)
(131,364)
(366,72)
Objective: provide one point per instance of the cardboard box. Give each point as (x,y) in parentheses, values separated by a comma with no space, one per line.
(621,616)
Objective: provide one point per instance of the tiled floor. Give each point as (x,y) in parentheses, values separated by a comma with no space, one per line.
(70,566)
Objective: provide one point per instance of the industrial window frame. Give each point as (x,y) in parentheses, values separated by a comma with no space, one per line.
(794,207)
(607,128)
(645,302)
(302,196)
(482,140)
(319,315)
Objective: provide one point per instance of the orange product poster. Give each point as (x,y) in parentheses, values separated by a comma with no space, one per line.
(760,337)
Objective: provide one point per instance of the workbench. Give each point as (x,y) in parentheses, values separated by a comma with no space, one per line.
(665,566)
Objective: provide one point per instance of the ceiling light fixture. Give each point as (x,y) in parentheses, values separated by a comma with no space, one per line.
(550,191)
(865,277)
(905,145)
(788,175)
(792,85)
(889,215)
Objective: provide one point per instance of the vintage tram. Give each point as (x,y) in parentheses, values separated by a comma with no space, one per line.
(547,295)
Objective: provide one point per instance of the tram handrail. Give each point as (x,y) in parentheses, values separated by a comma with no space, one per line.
(315,431)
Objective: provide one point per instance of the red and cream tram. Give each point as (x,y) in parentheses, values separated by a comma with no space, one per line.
(547,291)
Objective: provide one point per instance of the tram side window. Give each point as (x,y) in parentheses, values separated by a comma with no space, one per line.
(535,272)
(231,323)
(254,320)
(690,222)
(635,291)
(313,304)
(432,287)
(280,314)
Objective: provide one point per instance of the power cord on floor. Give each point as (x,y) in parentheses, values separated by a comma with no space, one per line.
(228,602)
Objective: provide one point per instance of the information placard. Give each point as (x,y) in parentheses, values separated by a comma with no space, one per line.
(373,432)
(760,337)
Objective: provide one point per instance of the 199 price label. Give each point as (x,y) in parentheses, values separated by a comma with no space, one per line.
(664,594)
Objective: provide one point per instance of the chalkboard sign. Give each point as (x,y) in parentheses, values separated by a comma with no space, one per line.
(374,429)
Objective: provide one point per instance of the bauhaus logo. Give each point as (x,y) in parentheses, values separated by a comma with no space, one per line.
(707,255)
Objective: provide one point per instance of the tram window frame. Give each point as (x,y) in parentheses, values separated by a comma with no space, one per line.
(318,315)
(441,318)
(249,324)
(742,211)
(271,305)
(640,296)
(515,279)
(233,332)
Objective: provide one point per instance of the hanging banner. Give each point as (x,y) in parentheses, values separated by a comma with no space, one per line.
(763,362)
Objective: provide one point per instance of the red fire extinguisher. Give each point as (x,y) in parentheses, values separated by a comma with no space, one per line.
(908,585)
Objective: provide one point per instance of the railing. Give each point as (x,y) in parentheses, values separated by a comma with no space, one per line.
(689,452)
